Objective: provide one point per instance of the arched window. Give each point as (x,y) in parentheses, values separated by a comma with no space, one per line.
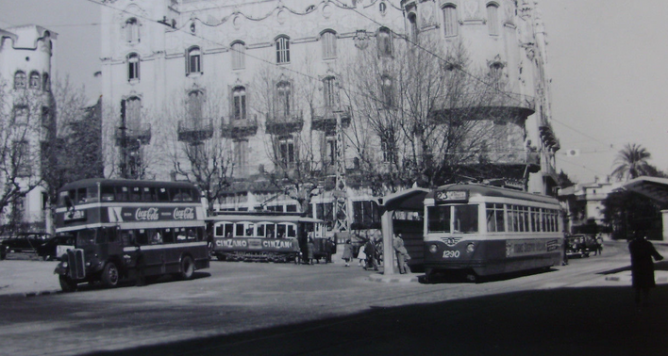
(238,55)
(133,66)
(132,113)
(328,44)
(413,27)
(329,91)
(286,149)
(34,80)
(384,41)
(195,103)
(132,30)
(19,80)
(493,19)
(239,103)
(387,91)
(46,82)
(283,49)
(193,60)
(450,24)
(283,98)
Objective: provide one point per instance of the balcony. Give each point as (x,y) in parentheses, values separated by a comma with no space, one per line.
(324,118)
(280,124)
(498,105)
(192,131)
(239,128)
(548,137)
(134,137)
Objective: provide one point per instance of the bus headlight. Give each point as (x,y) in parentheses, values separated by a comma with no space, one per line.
(433,248)
(470,248)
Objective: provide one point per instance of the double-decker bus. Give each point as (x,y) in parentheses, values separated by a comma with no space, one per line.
(130,229)
(264,236)
(489,230)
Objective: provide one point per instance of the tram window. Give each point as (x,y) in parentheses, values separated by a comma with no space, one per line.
(260,230)
(466,218)
(292,232)
(162,194)
(439,218)
(229,230)
(239,230)
(281,230)
(271,229)
(291,208)
(122,193)
(107,193)
(218,231)
(495,218)
(249,230)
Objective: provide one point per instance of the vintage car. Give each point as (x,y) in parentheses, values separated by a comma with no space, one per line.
(55,247)
(577,246)
(25,241)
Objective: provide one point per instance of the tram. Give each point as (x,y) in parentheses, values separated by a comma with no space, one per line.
(263,236)
(489,230)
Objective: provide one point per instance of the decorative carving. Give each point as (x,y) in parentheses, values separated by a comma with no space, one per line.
(237,22)
(281,17)
(426,11)
(327,11)
(361,39)
(471,7)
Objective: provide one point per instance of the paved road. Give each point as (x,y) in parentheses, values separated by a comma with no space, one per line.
(284,309)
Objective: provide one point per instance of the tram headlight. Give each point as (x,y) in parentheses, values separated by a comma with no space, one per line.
(433,248)
(470,248)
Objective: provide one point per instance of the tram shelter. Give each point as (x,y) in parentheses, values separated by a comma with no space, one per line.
(407,200)
(654,188)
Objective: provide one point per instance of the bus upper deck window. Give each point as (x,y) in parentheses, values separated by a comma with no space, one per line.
(135,194)
(107,193)
(81,196)
(122,193)
(148,194)
(91,195)
(162,194)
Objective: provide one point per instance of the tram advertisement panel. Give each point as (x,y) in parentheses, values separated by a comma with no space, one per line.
(257,244)
(529,247)
(152,214)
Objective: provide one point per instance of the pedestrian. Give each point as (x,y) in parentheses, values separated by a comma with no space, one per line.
(642,267)
(599,244)
(310,247)
(347,253)
(379,249)
(401,252)
(370,251)
(564,261)
(329,250)
(361,257)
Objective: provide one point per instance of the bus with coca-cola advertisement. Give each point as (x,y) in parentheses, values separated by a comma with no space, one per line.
(137,230)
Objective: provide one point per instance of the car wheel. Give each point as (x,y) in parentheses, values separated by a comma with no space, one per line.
(67,284)
(187,268)
(109,277)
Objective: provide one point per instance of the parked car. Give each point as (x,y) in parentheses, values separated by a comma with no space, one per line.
(55,247)
(25,241)
(577,246)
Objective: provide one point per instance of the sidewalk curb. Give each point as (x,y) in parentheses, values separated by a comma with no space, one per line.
(29,294)
(381,278)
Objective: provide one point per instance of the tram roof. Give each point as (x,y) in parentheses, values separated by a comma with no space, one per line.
(492,191)
(136,183)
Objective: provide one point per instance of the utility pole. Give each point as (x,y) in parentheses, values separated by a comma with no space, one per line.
(341,222)
(123,143)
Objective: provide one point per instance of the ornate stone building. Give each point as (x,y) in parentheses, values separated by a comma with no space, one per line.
(26,122)
(263,84)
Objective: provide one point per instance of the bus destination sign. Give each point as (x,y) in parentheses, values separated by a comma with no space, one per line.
(452,196)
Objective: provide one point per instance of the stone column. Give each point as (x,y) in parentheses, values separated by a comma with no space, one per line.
(388,251)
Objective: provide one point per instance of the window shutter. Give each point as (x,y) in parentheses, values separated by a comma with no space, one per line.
(248,103)
(187,61)
(201,60)
(230,90)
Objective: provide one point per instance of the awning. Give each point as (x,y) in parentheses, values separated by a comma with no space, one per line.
(406,200)
(652,187)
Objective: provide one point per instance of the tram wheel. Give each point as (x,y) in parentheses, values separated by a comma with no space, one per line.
(187,268)
(109,277)
(67,284)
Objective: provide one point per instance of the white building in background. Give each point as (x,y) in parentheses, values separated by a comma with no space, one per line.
(584,202)
(189,71)
(26,68)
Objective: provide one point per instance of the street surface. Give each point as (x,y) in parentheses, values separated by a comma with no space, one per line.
(328,309)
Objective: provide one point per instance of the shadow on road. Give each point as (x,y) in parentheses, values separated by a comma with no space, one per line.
(569,321)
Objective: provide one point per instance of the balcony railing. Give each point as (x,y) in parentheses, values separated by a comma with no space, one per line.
(134,137)
(324,118)
(189,131)
(278,123)
(238,128)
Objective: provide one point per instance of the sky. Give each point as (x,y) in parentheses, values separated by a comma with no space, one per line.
(607,61)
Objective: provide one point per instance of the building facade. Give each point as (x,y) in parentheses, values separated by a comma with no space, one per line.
(584,203)
(27,124)
(282,95)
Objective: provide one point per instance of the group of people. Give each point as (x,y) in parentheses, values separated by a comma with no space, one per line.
(371,254)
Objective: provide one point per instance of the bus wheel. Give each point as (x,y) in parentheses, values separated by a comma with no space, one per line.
(187,267)
(109,277)
(67,284)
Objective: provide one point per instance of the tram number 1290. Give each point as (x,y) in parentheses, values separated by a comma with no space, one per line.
(450,254)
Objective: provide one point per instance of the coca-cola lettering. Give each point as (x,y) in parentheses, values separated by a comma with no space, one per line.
(149,214)
(184,214)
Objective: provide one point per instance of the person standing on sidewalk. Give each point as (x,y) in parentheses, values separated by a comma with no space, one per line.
(347,252)
(642,267)
(401,252)
(370,251)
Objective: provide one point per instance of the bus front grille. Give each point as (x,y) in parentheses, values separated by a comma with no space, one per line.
(76,263)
